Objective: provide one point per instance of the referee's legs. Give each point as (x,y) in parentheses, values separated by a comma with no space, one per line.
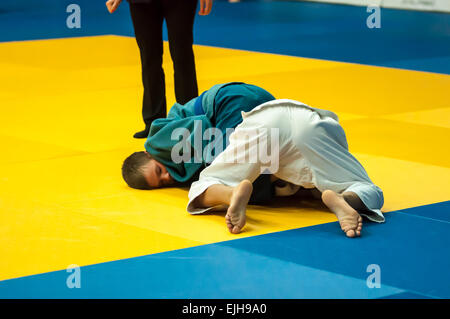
(148,22)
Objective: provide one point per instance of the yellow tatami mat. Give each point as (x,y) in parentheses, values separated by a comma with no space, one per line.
(69,108)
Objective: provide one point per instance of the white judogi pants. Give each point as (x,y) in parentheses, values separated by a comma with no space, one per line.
(312,151)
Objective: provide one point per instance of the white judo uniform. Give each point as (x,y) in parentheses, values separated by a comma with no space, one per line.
(313,153)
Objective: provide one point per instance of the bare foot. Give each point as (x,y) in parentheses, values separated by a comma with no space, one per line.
(349,219)
(235,216)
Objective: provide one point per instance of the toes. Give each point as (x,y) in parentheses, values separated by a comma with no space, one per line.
(229,224)
(352,228)
(236,230)
(350,233)
(346,228)
(358,229)
(232,227)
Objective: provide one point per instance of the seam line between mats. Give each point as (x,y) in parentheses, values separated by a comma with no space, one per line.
(424,217)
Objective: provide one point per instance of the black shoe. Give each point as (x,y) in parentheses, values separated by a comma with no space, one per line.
(142,134)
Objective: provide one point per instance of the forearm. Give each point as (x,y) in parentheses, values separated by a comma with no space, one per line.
(215,195)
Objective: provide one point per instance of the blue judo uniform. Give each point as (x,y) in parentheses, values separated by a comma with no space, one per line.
(218,107)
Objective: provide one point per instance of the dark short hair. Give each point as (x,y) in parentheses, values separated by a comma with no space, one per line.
(132,170)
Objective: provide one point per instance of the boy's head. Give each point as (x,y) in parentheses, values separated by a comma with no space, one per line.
(141,171)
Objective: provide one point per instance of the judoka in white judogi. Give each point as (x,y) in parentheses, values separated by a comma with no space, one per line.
(313,153)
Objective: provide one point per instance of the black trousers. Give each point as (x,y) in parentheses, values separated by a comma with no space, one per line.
(148,20)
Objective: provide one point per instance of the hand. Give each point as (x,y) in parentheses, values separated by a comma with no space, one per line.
(112,5)
(205,7)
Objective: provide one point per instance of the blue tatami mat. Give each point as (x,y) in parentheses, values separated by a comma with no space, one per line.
(411,251)
(407,39)
(438,211)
